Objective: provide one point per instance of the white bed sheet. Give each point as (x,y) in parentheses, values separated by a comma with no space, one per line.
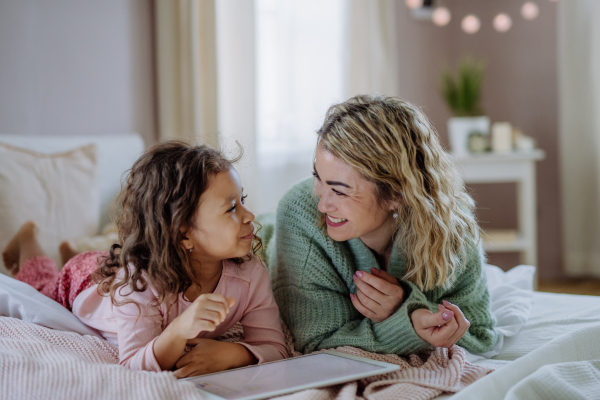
(552,316)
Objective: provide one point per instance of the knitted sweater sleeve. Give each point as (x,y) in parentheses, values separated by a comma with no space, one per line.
(470,293)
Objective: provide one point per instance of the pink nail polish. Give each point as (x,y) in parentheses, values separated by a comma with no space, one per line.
(351,296)
(446,303)
(359,274)
(447,316)
(374,270)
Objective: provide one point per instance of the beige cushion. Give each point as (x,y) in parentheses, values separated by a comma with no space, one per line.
(57,191)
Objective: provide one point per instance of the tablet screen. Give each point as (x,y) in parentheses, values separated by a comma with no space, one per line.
(312,370)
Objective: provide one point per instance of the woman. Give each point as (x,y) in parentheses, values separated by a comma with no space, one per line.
(380,250)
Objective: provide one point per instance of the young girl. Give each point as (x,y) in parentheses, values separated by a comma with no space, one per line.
(183,272)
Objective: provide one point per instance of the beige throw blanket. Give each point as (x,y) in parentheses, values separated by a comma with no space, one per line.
(37,363)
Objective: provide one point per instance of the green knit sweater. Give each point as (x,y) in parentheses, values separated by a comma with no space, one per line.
(312,281)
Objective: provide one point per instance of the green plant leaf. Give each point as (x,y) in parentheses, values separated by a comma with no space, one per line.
(462,92)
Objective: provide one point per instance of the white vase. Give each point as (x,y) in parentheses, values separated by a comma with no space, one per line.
(459,129)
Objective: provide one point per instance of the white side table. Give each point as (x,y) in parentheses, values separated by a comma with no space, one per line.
(516,167)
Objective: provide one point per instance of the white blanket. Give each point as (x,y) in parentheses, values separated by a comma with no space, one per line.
(567,367)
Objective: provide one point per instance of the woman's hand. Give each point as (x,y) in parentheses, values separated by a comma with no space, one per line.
(204,314)
(209,356)
(378,294)
(442,329)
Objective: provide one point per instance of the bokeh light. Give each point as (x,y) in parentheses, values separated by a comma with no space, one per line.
(412,4)
(530,10)
(441,16)
(470,24)
(502,22)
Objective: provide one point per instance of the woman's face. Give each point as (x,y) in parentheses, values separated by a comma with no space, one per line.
(224,227)
(350,203)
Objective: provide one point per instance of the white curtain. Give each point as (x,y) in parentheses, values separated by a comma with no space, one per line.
(311,54)
(186,70)
(579,87)
(371,48)
(206,77)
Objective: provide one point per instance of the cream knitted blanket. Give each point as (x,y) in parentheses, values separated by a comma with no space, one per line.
(38,363)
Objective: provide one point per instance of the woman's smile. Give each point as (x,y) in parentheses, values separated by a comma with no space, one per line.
(335,222)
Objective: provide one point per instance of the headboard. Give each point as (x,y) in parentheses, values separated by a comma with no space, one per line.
(116,154)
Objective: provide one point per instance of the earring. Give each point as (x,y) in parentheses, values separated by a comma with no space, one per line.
(395,214)
(190,249)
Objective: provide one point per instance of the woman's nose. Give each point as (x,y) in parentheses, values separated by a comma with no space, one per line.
(325,204)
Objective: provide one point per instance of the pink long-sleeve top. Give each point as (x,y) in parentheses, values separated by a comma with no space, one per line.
(134,330)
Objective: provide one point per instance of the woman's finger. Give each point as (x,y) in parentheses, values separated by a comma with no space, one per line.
(435,320)
(361,308)
(384,275)
(369,291)
(376,282)
(442,335)
(369,303)
(463,323)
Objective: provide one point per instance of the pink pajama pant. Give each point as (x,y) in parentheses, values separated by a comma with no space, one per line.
(64,285)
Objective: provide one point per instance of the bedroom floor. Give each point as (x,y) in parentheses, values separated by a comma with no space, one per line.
(590,287)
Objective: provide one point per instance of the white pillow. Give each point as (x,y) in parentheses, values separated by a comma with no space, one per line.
(19,300)
(511,298)
(57,191)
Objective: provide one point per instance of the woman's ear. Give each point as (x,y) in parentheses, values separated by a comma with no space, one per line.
(394,205)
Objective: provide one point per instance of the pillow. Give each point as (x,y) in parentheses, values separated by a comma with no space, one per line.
(19,300)
(57,191)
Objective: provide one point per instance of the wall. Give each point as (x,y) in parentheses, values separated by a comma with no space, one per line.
(71,67)
(520,87)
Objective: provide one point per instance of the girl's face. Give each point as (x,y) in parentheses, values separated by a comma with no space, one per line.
(350,203)
(224,227)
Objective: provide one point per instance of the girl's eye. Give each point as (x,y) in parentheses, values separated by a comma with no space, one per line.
(232,209)
(338,193)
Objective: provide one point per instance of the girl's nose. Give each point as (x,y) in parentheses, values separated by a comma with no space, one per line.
(248,216)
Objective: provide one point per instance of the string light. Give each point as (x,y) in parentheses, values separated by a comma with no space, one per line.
(470,24)
(502,22)
(441,16)
(412,4)
(530,10)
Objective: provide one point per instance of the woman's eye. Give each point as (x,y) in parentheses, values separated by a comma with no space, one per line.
(338,193)
(316,175)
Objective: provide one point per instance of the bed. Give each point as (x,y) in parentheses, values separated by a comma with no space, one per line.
(550,348)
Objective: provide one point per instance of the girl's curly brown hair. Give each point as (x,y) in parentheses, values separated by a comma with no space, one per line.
(161,194)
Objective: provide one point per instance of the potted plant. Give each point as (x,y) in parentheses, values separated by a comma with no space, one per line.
(462,93)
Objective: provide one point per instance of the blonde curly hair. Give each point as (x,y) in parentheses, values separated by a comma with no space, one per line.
(391,143)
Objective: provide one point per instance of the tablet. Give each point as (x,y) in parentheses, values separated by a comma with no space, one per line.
(287,376)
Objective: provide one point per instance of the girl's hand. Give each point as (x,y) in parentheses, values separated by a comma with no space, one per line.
(204,314)
(212,356)
(442,329)
(378,294)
